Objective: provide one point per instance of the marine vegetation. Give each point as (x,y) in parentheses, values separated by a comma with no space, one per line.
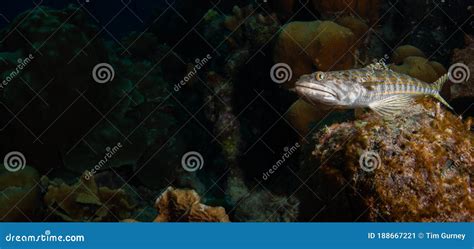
(236,111)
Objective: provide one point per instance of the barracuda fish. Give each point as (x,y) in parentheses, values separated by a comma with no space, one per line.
(376,86)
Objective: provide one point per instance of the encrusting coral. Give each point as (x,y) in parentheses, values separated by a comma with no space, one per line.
(416,167)
(85,201)
(183,205)
(19,194)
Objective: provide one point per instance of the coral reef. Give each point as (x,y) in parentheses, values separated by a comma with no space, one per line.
(220,112)
(420,169)
(79,118)
(131,133)
(356,25)
(244,28)
(85,201)
(410,60)
(19,195)
(271,208)
(181,205)
(321,44)
(302,115)
(419,68)
(404,51)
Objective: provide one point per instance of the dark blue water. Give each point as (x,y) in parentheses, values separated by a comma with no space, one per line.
(119,17)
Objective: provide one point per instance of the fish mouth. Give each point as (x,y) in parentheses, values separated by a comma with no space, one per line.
(312,89)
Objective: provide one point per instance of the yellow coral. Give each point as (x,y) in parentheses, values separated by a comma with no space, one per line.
(417,67)
(185,205)
(402,52)
(323,44)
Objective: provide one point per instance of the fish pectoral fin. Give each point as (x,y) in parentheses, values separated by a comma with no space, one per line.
(392,105)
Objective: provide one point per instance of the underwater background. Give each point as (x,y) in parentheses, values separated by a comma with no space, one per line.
(184,111)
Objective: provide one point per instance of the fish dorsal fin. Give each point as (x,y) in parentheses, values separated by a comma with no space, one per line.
(438,85)
(378,66)
(391,106)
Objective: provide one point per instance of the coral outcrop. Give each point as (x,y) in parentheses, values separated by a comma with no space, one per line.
(19,195)
(263,206)
(81,119)
(404,51)
(244,27)
(321,44)
(85,201)
(417,167)
(182,205)
(356,25)
(410,60)
(419,68)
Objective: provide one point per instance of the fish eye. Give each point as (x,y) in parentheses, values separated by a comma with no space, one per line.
(319,76)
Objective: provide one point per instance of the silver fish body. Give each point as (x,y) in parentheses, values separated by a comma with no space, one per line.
(374,86)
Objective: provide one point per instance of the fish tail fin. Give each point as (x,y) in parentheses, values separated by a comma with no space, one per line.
(438,85)
(440,99)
